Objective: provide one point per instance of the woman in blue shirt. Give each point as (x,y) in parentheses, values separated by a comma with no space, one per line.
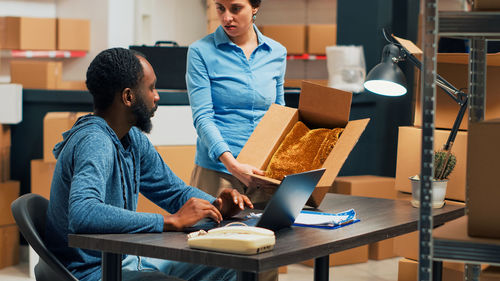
(233,76)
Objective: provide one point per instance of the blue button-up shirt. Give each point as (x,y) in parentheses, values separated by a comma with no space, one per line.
(229,94)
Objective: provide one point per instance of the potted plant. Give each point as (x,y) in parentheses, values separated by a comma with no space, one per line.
(444,163)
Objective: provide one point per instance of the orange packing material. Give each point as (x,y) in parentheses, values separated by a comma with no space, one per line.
(302,150)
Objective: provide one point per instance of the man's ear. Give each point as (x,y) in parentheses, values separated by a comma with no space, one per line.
(127,97)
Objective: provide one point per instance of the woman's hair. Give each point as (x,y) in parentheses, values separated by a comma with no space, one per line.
(255,3)
(111,72)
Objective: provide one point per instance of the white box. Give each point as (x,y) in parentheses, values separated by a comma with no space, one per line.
(11,107)
(173,125)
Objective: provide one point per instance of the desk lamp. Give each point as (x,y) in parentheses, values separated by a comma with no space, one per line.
(387,79)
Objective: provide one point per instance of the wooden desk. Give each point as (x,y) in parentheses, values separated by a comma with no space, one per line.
(380,219)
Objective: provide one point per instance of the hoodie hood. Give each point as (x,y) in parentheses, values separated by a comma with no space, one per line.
(84,122)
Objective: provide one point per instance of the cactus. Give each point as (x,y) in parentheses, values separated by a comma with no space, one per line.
(442,171)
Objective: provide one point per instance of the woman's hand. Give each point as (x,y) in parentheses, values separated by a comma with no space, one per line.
(190,213)
(241,171)
(230,202)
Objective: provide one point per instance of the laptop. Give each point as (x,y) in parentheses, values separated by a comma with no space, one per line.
(284,206)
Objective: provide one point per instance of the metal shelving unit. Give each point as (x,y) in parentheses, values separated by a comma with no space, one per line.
(477,27)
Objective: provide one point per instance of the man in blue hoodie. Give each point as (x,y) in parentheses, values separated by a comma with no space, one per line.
(103,163)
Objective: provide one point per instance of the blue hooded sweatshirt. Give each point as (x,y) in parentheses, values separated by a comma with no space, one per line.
(95,188)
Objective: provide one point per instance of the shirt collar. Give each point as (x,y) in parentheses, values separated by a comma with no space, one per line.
(222,38)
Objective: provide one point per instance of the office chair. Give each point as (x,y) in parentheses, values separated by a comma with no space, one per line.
(30,212)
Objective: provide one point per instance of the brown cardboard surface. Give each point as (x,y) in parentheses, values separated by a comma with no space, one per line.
(180,159)
(407,245)
(351,256)
(4,163)
(297,83)
(381,250)
(5,136)
(9,246)
(486,5)
(9,191)
(73,34)
(319,106)
(483,191)
(452,271)
(23,33)
(454,68)
(54,125)
(366,185)
(72,85)
(319,36)
(293,37)
(408,45)
(409,155)
(36,74)
(490,273)
(41,177)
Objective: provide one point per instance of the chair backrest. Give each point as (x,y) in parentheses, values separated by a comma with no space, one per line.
(30,212)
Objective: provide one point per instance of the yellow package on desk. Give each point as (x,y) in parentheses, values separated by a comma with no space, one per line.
(240,239)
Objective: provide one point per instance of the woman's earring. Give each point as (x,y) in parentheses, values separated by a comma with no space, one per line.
(254,17)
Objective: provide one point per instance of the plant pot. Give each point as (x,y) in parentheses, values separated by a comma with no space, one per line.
(438,192)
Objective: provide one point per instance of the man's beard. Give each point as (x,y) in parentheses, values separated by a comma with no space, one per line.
(143,115)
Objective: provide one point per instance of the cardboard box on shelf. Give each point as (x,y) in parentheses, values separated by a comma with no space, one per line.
(11,107)
(452,271)
(486,5)
(24,33)
(409,155)
(483,191)
(490,273)
(180,159)
(73,34)
(9,191)
(454,68)
(351,256)
(41,74)
(36,74)
(319,107)
(9,245)
(292,36)
(319,36)
(54,125)
(41,177)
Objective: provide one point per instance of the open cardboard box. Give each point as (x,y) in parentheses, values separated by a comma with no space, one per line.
(319,107)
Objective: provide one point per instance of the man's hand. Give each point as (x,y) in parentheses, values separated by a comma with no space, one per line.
(230,202)
(194,210)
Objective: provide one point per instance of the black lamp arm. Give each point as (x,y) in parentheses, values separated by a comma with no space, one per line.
(458,96)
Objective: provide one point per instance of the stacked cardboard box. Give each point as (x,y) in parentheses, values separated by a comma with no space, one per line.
(482,184)
(370,186)
(452,271)
(23,33)
(41,74)
(26,33)
(5,141)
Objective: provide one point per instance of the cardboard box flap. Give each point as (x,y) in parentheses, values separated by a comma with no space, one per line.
(322,107)
(268,135)
(408,45)
(342,149)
